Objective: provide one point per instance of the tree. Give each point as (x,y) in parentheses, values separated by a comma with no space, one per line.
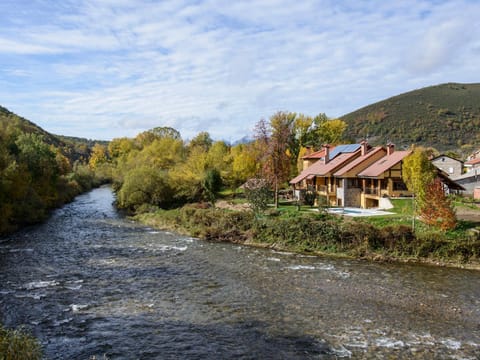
(212,184)
(439,211)
(38,162)
(149,136)
(325,131)
(202,140)
(244,164)
(276,164)
(120,147)
(257,192)
(98,156)
(418,173)
(188,175)
(145,185)
(218,157)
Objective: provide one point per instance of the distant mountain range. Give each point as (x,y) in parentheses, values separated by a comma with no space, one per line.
(446,117)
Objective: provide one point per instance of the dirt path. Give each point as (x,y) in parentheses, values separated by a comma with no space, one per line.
(469,214)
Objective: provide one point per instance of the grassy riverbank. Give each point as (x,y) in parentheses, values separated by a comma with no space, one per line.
(387,238)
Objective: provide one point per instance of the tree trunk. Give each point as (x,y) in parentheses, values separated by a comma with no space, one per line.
(276,193)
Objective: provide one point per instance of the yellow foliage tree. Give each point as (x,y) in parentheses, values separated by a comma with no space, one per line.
(98,156)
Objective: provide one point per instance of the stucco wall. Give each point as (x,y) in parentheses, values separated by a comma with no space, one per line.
(451,166)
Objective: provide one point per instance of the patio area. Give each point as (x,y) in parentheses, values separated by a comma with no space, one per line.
(358,212)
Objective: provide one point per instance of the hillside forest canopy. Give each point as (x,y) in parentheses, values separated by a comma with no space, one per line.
(38,172)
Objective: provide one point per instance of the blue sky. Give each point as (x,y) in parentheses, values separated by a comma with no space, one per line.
(110,68)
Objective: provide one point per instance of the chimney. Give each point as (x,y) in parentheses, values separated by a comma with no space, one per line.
(390,148)
(326,158)
(308,150)
(364,147)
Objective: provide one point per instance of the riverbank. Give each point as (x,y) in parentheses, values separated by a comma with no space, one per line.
(323,235)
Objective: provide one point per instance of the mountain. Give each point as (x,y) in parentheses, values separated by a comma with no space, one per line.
(446,117)
(71,147)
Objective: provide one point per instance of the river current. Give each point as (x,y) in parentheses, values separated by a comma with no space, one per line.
(89,282)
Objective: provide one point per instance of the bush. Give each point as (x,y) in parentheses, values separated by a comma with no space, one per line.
(397,238)
(358,234)
(17,345)
(430,243)
(145,185)
(217,224)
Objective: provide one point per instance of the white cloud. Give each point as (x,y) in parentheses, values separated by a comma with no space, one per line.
(109,68)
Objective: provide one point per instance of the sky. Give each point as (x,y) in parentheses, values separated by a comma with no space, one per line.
(104,69)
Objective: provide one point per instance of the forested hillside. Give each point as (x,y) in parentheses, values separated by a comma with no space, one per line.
(38,171)
(445,116)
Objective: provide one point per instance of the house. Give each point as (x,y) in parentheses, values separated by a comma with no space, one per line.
(383,178)
(449,185)
(355,175)
(453,167)
(349,189)
(474,155)
(319,175)
(312,157)
(359,175)
(470,180)
(472,165)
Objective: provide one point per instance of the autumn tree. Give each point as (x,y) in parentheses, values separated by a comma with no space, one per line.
(149,136)
(430,201)
(438,211)
(98,156)
(244,164)
(418,172)
(120,147)
(145,185)
(218,158)
(276,157)
(202,140)
(188,175)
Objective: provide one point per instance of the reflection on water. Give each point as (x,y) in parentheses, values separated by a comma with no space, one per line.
(88,282)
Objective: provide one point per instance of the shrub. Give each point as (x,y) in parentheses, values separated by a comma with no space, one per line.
(257,192)
(430,243)
(397,238)
(357,233)
(309,198)
(18,345)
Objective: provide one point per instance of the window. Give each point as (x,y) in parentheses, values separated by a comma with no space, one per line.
(399,185)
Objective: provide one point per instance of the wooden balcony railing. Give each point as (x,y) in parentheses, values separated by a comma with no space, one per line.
(325,189)
(372,191)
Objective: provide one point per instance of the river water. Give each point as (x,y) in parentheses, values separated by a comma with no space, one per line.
(91,283)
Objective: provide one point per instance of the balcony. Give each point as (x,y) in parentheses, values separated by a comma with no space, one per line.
(371,191)
(326,190)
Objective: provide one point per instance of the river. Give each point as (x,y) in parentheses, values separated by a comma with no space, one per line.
(89,282)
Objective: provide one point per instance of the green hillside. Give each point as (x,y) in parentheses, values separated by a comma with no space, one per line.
(73,148)
(39,171)
(445,116)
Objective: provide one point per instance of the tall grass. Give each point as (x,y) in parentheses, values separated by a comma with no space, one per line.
(18,345)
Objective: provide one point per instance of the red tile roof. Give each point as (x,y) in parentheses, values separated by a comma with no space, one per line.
(385,163)
(473,162)
(358,161)
(321,169)
(320,154)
